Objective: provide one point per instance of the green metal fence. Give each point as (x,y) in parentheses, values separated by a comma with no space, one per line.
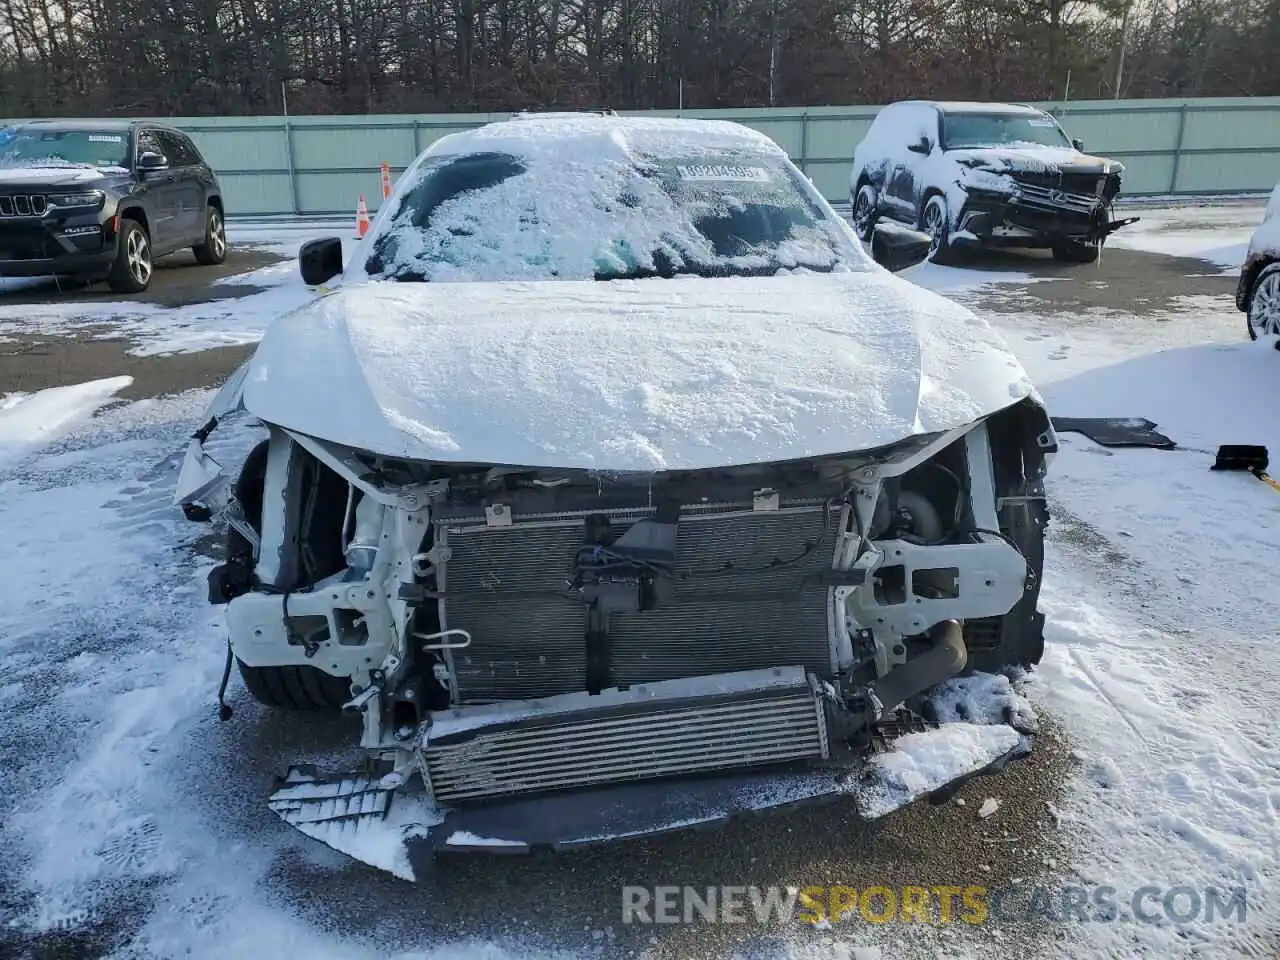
(320,166)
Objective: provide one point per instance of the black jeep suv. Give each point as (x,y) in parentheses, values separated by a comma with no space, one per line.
(974,175)
(101,200)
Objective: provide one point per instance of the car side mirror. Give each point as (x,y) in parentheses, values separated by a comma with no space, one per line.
(151,161)
(1078,144)
(921,146)
(896,247)
(320,260)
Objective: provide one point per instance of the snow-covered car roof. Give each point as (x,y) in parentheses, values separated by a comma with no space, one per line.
(533,134)
(975,106)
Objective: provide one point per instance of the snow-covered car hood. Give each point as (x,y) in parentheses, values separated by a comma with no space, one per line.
(630,375)
(58,174)
(1034,159)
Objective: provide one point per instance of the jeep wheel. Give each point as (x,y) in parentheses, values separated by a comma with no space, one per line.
(131,272)
(1263,318)
(1073,252)
(935,221)
(214,248)
(864,212)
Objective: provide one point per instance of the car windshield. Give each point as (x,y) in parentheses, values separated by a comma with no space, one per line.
(963,130)
(31,146)
(497,216)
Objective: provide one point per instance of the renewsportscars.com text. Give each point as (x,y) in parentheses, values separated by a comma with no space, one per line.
(971,904)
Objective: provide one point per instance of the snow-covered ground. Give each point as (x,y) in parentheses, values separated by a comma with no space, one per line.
(222,321)
(1217,234)
(124,797)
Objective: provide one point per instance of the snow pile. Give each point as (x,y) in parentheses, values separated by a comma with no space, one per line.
(983,698)
(28,420)
(461,838)
(920,763)
(631,375)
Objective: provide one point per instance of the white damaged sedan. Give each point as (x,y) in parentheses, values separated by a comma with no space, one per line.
(617,489)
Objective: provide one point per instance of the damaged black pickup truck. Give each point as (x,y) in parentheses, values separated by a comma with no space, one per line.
(979,175)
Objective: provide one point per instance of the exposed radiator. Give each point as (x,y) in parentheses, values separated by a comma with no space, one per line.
(507,586)
(750,719)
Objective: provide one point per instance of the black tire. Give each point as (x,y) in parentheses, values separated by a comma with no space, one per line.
(1072,252)
(863,205)
(295,688)
(936,221)
(131,272)
(288,688)
(1267,281)
(213,250)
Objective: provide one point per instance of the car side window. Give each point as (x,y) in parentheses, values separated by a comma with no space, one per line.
(190,151)
(924,124)
(173,148)
(147,143)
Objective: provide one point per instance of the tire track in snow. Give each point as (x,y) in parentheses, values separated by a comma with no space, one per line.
(1195,799)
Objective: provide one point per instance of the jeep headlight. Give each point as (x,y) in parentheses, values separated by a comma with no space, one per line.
(985,180)
(87,198)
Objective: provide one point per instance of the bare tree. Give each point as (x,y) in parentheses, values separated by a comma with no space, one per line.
(205,57)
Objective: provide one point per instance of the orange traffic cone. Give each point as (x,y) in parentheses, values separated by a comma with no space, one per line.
(386,179)
(362,218)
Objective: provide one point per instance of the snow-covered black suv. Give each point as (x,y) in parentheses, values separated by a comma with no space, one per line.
(984,174)
(101,200)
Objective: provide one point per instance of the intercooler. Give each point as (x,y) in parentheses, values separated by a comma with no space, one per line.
(746,590)
(663,730)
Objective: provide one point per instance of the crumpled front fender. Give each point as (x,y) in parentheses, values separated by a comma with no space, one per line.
(201,474)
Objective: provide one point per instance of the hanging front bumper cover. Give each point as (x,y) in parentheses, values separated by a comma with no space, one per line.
(548,774)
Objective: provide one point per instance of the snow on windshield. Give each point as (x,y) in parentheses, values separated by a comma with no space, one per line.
(557,213)
(964,130)
(27,147)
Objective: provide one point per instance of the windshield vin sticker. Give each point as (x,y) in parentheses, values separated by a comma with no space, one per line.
(105,138)
(723,172)
(1040,123)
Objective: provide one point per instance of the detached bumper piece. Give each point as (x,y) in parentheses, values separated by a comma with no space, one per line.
(1038,212)
(636,763)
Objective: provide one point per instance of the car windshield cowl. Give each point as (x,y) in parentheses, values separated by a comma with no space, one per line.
(651,273)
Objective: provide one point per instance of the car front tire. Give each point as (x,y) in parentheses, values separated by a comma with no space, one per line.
(1263,316)
(295,688)
(863,212)
(1072,252)
(213,249)
(133,267)
(936,222)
